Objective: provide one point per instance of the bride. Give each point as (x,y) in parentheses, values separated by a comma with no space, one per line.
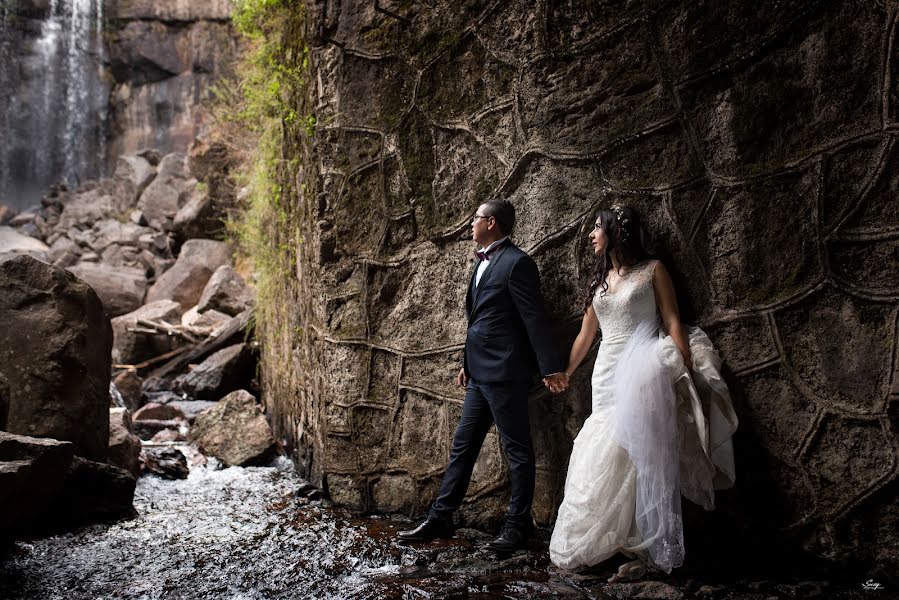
(662,417)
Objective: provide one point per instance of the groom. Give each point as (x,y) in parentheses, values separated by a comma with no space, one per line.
(508,340)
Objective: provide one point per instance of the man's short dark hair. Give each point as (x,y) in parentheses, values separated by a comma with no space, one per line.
(503,211)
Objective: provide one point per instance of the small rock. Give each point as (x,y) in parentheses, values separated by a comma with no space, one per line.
(7,214)
(235,431)
(192,408)
(225,292)
(137,217)
(128,383)
(169,463)
(64,252)
(223,372)
(124,446)
(22,219)
(645,590)
(136,170)
(709,590)
(158,412)
(185,280)
(209,320)
(167,436)
(147,428)
(152,155)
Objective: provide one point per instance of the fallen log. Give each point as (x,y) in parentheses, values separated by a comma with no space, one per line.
(236,328)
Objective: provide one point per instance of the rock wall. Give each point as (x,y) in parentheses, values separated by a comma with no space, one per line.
(759,141)
(163,58)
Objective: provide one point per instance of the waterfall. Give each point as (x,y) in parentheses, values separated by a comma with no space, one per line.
(53,119)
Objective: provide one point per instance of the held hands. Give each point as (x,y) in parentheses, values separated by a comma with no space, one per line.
(556,383)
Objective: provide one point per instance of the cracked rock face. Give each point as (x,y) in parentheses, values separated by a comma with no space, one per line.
(759,144)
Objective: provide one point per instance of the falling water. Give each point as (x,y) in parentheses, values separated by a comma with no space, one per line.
(53,121)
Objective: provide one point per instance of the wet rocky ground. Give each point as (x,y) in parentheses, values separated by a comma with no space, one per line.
(261,532)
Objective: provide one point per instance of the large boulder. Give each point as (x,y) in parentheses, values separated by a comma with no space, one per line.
(131,347)
(225,292)
(12,243)
(64,252)
(55,348)
(168,192)
(32,472)
(168,463)
(185,281)
(124,446)
(235,431)
(91,492)
(199,217)
(136,170)
(223,372)
(122,289)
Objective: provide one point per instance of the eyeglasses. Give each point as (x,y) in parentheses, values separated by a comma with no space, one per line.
(477,216)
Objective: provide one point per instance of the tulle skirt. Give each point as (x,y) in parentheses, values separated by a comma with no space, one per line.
(655,434)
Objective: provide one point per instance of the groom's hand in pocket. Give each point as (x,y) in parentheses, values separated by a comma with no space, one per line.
(461,378)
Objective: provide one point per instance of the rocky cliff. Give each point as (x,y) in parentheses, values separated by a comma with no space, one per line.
(89,80)
(758,140)
(164,57)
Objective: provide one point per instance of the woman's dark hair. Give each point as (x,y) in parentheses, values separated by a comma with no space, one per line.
(630,245)
(504,213)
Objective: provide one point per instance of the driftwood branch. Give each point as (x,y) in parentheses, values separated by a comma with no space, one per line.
(164,327)
(152,361)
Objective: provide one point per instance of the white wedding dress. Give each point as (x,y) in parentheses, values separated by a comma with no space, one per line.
(655,433)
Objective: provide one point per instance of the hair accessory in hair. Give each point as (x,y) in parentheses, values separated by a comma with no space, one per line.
(622,220)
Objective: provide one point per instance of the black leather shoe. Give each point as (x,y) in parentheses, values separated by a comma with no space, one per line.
(510,539)
(430,529)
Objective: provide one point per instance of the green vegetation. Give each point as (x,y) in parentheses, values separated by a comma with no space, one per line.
(263,113)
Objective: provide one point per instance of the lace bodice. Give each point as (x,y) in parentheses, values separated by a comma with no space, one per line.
(629,301)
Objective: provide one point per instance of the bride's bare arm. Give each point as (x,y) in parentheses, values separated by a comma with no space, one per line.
(583,341)
(667,303)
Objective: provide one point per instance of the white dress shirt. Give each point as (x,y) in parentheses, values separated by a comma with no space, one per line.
(483,264)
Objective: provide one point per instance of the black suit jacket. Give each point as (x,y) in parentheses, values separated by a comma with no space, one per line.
(508,333)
